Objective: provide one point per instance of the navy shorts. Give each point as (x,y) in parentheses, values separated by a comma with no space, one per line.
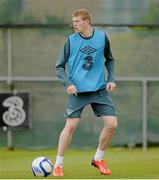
(100,102)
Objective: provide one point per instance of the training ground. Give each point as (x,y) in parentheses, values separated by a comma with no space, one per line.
(124,163)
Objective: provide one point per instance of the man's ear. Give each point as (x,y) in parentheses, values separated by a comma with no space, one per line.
(87,21)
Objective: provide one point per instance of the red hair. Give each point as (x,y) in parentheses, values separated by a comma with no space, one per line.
(83,13)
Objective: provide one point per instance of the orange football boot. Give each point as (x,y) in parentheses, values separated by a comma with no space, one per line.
(57,171)
(102,167)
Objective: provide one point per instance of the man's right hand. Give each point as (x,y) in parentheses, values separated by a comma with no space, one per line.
(72,90)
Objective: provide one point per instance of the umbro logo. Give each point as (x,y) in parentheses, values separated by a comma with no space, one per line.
(88,50)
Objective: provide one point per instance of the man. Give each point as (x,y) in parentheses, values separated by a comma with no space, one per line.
(86,53)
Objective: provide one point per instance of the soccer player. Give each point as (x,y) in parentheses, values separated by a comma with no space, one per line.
(86,53)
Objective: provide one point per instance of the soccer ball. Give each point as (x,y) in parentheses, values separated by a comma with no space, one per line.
(41,166)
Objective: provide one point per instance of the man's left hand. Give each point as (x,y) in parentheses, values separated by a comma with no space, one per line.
(110,86)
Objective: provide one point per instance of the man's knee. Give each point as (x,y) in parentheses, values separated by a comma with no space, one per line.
(111,122)
(71,124)
(112,125)
(71,128)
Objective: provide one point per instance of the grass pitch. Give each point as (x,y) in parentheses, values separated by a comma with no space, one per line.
(124,163)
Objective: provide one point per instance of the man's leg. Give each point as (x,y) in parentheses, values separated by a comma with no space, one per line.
(64,141)
(110,125)
(66,135)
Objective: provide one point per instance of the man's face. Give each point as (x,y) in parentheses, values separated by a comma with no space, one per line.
(79,25)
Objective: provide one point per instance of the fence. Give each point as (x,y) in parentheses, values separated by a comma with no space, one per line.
(26,65)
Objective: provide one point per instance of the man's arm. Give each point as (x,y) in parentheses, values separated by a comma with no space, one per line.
(110,62)
(60,65)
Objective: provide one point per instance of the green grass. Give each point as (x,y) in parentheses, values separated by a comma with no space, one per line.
(123,162)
